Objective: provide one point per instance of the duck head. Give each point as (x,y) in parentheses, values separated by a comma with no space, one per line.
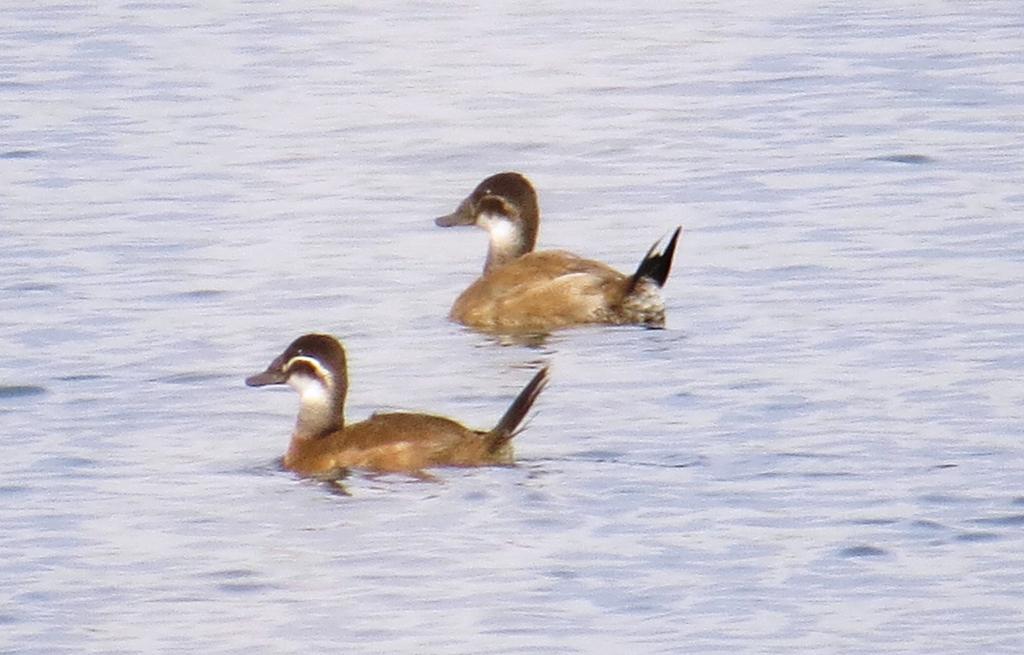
(506,206)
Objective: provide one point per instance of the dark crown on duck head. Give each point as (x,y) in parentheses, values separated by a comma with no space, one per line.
(315,366)
(314,355)
(509,195)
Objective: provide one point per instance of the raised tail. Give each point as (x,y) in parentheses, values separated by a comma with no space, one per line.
(508,426)
(656,264)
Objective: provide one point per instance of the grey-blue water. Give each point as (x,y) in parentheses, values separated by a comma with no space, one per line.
(823,453)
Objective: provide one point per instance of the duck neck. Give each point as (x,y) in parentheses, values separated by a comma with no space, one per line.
(509,240)
(321,406)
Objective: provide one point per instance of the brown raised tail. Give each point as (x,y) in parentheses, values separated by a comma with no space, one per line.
(508,426)
(656,264)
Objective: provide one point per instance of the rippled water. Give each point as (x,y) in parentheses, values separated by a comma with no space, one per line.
(823,453)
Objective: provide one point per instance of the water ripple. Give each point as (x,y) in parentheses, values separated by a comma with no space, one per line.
(862,551)
(21,391)
(19,154)
(1009,520)
(904,158)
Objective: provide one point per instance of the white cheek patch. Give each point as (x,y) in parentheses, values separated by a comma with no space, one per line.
(312,392)
(504,233)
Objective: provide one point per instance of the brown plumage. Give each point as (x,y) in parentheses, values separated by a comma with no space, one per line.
(525,291)
(323,444)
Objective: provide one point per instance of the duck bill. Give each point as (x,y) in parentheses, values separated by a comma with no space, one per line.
(265,378)
(273,375)
(461,216)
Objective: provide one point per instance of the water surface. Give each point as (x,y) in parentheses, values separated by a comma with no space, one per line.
(824,452)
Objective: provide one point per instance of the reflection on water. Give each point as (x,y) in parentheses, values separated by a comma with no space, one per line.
(822,452)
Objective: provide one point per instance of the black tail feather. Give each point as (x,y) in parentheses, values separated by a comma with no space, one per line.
(656,265)
(507,426)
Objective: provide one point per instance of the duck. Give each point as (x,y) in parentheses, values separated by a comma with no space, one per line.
(527,291)
(324,444)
